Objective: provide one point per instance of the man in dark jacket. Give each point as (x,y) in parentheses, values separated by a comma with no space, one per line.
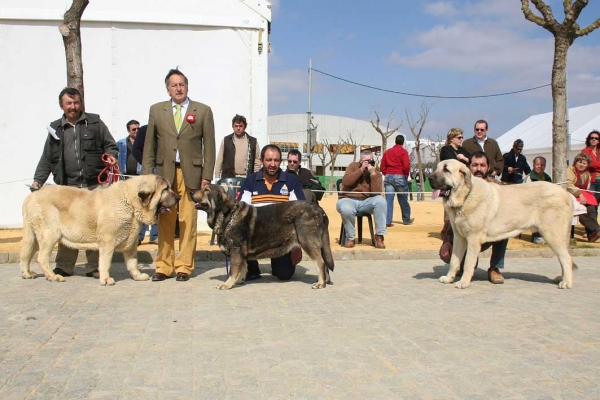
(72,153)
(481,142)
(239,155)
(515,164)
(306,178)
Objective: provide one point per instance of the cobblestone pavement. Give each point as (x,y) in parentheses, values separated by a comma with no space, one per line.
(384,329)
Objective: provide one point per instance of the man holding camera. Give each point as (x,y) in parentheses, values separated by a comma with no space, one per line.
(361,191)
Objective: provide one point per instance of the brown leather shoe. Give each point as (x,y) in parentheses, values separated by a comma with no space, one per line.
(389,225)
(182,277)
(349,243)
(494,276)
(379,242)
(159,277)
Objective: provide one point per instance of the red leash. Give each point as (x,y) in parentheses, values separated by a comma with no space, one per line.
(110,174)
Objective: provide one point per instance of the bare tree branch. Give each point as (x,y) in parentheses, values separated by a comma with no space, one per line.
(547,22)
(416,128)
(591,28)
(388,132)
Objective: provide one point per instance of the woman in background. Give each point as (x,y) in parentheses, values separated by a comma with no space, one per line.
(453,149)
(578,181)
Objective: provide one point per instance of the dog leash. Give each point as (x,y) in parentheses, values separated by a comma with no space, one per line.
(110,173)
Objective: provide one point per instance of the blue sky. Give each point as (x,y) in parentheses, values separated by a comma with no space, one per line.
(447,48)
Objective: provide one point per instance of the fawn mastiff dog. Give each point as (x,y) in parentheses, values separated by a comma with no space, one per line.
(105,219)
(247,232)
(483,212)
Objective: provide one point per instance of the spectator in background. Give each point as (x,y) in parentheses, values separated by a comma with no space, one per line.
(306,178)
(361,192)
(395,165)
(137,151)
(538,174)
(453,149)
(578,181)
(128,165)
(239,154)
(515,164)
(592,144)
(481,142)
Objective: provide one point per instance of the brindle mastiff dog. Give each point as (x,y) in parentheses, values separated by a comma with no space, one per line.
(246,232)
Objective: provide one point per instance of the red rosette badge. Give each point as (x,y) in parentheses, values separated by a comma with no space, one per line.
(190,118)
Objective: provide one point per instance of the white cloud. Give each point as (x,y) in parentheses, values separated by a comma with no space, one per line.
(440,9)
(283,84)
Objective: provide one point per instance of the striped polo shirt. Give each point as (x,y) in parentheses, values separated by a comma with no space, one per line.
(256,191)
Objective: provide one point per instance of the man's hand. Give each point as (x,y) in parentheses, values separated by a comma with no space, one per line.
(110,160)
(204,183)
(371,168)
(34,186)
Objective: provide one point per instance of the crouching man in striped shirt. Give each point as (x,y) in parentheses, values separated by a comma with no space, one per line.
(267,186)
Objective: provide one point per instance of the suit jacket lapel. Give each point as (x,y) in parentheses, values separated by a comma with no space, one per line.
(190,110)
(168,114)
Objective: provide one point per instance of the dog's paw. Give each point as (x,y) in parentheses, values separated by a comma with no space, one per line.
(142,277)
(223,286)
(29,275)
(107,281)
(565,285)
(319,285)
(55,278)
(462,285)
(446,279)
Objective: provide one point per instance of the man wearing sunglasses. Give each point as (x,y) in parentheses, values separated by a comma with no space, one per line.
(306,178)
(480,142)
(515,164)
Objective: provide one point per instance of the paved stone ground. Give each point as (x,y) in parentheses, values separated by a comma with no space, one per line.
(384,329)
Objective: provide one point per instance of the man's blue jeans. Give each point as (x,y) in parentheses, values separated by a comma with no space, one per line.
(153,232)
(348,208)
(397,183)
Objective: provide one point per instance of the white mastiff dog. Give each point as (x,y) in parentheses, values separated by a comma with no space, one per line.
(483,212)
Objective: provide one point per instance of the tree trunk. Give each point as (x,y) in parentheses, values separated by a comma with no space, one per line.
(383,144)
(560,157)
(420,169)
(71,35)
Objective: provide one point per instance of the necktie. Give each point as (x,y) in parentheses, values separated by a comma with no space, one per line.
(177,116)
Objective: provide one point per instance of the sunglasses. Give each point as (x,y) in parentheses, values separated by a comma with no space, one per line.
(458,137)
(135,129)
(293,161)
(594,138)
(479,130)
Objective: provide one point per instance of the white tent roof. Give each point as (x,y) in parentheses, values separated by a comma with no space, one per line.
(536,131)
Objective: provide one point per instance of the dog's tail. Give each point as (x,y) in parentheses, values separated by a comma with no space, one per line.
(326,249)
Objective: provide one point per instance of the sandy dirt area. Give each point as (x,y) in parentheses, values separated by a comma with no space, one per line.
(423,234)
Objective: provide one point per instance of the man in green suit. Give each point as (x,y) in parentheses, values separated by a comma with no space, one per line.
(180,143)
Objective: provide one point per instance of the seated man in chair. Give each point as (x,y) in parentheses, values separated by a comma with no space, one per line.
(361,189)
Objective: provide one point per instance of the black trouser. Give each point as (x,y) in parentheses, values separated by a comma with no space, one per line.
(589,220)
(281,267)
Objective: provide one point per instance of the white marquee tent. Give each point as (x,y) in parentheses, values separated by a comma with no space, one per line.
(128,48)
(536,133)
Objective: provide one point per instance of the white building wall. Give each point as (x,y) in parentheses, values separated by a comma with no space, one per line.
(127,48)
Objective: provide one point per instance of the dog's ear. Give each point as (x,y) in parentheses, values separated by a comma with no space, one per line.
(145,194)
(467,175)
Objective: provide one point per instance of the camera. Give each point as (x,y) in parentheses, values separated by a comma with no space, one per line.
(372,162)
